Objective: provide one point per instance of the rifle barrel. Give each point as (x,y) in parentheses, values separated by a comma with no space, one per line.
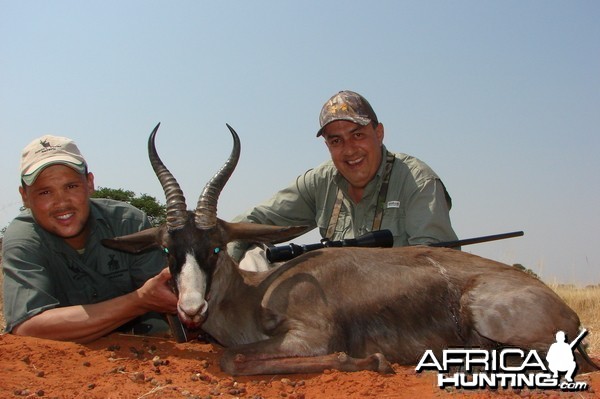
(381,238)
(477,240)
(579,337)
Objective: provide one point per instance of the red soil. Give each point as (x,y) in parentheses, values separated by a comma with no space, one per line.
(122,366)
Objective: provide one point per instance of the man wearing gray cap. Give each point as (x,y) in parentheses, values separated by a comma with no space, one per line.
(364,187)
(59,281)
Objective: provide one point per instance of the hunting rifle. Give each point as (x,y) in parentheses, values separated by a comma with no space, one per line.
(379,238)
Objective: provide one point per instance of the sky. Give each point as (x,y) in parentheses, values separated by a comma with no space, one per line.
(500,98)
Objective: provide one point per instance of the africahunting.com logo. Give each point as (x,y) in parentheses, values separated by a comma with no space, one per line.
(507,368)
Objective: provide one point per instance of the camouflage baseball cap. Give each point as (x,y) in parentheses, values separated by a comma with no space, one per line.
(349,106)
(50,150)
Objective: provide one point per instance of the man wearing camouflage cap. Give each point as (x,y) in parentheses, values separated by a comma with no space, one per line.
(364,187)
(59,281)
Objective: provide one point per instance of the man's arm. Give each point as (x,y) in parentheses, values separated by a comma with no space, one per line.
(427,215)
(293,206)
(85,323)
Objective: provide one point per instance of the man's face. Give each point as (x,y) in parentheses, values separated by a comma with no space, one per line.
(355,150)
(59,202)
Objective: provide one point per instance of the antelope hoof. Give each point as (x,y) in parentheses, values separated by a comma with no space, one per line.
(383,366)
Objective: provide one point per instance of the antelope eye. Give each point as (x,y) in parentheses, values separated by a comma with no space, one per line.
(166,250)
(217,250)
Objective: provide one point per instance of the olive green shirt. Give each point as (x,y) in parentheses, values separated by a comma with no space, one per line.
(416,208)
(42,272)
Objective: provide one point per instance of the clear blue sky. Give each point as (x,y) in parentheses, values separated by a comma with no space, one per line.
(501,98)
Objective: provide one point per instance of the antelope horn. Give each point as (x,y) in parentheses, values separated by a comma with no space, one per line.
(206,210)
(176,208)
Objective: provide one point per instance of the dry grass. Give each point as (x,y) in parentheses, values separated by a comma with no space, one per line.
(584,301)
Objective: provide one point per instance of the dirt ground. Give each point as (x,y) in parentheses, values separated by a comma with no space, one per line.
(125,366)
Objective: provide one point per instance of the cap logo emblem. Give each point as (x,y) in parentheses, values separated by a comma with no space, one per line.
(46,146)
(337,108)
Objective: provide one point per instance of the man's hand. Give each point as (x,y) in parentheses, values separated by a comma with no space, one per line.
(156,293)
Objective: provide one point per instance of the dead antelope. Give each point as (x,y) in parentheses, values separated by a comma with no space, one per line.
(342,308)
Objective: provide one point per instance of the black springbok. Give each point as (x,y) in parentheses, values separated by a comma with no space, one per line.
(342,308)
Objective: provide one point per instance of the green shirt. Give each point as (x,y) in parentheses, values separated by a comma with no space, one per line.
(416,208)
(42,272)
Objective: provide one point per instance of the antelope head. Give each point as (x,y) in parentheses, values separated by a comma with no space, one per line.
(195,241)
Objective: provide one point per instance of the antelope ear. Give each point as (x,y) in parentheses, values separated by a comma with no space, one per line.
(261,232)
(136,242)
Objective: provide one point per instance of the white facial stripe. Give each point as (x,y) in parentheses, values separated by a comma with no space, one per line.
(192,287)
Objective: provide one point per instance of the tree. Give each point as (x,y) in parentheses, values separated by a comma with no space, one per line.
(156,212)
(526,270)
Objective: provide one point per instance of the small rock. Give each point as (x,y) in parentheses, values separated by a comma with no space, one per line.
(287,381)
(138,376)
(227,383)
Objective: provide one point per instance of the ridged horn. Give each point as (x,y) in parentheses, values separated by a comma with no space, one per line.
(176,208)
(206,210)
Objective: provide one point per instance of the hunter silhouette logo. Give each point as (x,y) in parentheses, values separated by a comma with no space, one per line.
(507,368)
(560,355)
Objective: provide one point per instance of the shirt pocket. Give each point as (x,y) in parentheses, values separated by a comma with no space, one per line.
(343,226)
(394,220)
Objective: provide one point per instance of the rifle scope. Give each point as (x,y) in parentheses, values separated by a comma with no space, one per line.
(379,238)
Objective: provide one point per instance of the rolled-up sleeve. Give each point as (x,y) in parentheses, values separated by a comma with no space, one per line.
(27,288)
(292,206)
(427,214)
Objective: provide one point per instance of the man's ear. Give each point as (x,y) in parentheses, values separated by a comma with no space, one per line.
(24,196)
(90,183)
(379,131)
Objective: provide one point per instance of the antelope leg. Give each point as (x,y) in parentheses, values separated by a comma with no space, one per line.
(240,364)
